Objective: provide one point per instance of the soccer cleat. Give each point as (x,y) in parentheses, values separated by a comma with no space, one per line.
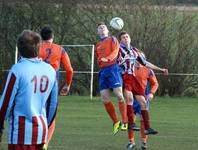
(143,146)
(150,131)
(116,127)
(44,147)
(134,127)
(124,126)
(130,146)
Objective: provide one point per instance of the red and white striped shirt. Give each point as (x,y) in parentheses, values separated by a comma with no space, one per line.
(127,58)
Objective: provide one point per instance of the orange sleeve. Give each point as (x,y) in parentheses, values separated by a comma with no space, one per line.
(96,51)
(153,81)
(114,48)
(67,67)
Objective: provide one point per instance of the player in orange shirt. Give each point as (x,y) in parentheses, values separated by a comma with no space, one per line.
(143,76)
(54,55)
(109,76)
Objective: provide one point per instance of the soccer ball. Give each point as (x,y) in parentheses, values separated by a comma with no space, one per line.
(117,23)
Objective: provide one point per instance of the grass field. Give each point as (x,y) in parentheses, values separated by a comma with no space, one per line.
(82,124)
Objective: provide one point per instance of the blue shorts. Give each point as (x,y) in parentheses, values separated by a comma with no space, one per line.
(110,77)
(137,107)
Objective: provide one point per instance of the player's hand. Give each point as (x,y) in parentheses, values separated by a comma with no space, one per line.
(165,71)
(150,96)
(104,59)
(65,90)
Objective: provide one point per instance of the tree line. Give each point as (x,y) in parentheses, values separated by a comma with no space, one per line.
(167,36)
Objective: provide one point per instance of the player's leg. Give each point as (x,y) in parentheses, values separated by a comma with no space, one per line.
(130,112)
(115,82)
(49,136)
(131,137)
(129,100)
(143,136)
(127,84)
(110,108)
(122,107)
(145,114)
(104,87)
(105,96)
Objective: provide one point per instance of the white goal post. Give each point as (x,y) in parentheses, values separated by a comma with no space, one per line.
(92,65)
(91,71)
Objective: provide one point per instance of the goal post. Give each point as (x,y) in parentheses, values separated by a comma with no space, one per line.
(91,72)
(16,55)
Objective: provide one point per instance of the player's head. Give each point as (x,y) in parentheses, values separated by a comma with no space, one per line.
(46,33)
(125,38)
(102,29)
(28,43)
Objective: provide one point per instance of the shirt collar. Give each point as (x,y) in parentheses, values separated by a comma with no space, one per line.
(35,60)
(123,46)
(102,39)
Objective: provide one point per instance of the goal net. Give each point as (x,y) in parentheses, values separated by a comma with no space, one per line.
(85,76)
(82,60)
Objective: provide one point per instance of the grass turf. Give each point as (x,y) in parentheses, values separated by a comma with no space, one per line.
(82,124)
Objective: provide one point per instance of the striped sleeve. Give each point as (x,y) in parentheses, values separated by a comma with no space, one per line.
(7,98)
(120,57)
(140,58)
(52,104)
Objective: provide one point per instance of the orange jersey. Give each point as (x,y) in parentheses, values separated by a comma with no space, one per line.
(54,55)
(107,48)
(142,75)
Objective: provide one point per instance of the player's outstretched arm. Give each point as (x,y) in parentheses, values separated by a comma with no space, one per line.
(154,67)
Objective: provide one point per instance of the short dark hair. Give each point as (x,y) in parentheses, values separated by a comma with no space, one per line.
(46,33)
(28,43)
(121,34)
(101,23)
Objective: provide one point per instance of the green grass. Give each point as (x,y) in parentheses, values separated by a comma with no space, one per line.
(82,124)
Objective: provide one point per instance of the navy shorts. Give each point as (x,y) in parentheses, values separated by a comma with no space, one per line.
(110,77)
(137,107)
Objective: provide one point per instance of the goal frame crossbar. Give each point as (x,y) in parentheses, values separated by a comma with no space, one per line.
(92,64)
